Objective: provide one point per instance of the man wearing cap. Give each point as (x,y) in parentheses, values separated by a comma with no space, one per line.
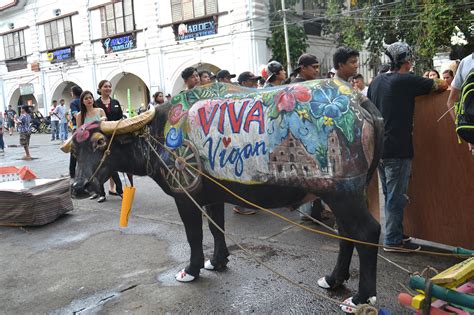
(224,76)
(308,68)
(276,74)
(248,79)
(394,95)
(331,73)
(191,77)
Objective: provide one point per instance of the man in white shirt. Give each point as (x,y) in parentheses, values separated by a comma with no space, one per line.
(54,122)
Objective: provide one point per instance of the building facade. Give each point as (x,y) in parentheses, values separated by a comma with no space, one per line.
(141,47)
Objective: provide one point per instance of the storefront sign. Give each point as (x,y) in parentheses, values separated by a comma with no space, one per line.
(196,29)
(27,88)
(119,43)
(60,55)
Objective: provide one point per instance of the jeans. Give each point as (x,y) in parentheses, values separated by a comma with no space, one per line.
(54,129)
(394,175)
(2,144)
(313,209)
(63,131)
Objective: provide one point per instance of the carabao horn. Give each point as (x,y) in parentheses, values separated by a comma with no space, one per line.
(128,125)
(67,145)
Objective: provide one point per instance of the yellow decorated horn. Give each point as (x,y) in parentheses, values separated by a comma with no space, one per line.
(128,125)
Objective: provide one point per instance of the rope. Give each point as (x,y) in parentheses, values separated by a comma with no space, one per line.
(302,226)
(106,153)
(335,231)
(246,251)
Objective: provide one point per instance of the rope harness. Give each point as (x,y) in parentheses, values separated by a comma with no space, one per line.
(106,153)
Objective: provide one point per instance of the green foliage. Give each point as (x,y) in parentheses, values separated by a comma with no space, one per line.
(426,25)
(297,38)
(346,124)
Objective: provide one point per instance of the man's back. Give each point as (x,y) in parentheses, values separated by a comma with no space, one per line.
(394,95)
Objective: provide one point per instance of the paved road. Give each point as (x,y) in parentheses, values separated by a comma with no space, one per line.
(85,264)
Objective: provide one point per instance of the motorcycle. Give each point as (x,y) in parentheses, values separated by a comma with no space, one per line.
(40,123)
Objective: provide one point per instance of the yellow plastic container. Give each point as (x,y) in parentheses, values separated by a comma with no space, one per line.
(127,200)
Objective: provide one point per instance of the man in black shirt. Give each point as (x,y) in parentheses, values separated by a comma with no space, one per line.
(394,95)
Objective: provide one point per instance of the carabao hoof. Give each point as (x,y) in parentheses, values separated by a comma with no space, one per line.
(183,276)
(323,283)
(209,266)
(353,308)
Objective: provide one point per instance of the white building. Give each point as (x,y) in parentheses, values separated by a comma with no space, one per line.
(139,46)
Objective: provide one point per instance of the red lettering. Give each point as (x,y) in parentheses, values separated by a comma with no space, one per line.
(206,123)
(255,114)
(221,118)
(236,122)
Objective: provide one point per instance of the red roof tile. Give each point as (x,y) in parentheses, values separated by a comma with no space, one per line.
(26,174)
(8,170)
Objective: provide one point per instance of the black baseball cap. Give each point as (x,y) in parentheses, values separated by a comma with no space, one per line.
(307,60)
(224,74)
(247,76)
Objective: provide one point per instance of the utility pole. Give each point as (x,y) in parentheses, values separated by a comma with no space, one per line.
(287,46)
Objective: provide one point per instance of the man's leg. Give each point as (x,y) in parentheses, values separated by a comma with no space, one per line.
(65,131)
(57,129)
(397,174)
(54,126)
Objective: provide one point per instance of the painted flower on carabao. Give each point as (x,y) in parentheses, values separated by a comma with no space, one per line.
(83,132)
(329,102)
(286,99)
(176,113)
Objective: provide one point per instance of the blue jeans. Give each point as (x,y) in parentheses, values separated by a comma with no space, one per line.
(63,131)
(394,175)
(54,129)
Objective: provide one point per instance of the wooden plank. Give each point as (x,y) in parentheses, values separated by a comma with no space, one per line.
(441,188)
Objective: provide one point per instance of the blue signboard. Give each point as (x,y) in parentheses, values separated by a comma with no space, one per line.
(60,55)
(119,43)
(199,28)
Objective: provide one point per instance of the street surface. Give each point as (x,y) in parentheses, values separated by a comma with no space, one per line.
(85,264)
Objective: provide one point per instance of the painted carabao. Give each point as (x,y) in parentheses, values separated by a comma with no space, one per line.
(275,147)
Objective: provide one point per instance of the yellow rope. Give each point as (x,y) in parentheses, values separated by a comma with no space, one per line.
(303,226)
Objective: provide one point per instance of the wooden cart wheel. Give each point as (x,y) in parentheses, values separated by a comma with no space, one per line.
(183,166)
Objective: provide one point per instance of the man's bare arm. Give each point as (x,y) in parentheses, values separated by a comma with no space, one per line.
(453,97)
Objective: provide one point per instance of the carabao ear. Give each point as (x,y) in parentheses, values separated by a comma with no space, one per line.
(99,141)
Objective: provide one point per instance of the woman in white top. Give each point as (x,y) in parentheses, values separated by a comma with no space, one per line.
(89,110)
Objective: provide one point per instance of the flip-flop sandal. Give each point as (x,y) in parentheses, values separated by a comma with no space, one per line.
(243,211)
(114,193)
